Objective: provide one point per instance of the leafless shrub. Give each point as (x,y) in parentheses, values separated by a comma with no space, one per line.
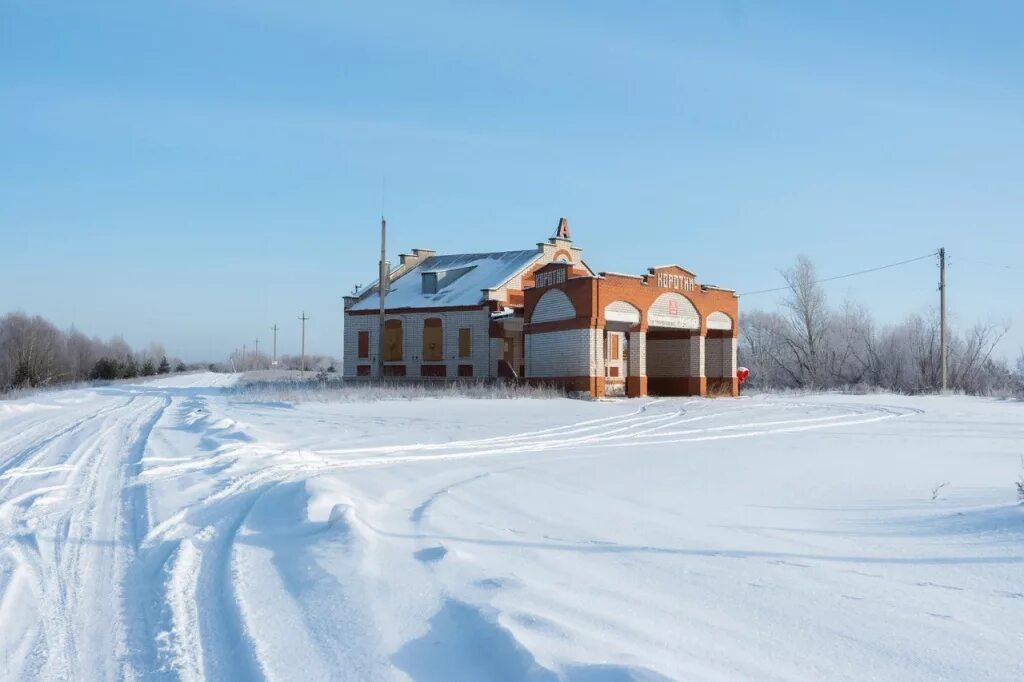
(1020,482)
(300,390)
(35,354)
(810,345)
(938,488)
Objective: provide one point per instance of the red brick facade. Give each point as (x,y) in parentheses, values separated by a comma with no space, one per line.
(548,318)
(591,295)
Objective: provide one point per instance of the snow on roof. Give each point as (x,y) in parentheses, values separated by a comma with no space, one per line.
(485,271)
(622,274)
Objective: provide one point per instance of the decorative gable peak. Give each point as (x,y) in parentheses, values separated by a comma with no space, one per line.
(562,231)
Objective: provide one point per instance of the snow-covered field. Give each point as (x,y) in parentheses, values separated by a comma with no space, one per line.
(168,530)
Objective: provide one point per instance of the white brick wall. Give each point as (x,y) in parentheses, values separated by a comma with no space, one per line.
(697,356)
(718,320)
(715,357)
(478,321)
(553,305)
(573,352)
(668,357)
(733,364)
(620,311)
(637,354)
(661,313)
(720,360)
(676,357)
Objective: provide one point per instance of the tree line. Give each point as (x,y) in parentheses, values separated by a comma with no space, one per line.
(34,352)
(248,361)
(810,344)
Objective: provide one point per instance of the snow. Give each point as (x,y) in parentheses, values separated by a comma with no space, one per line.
(170,531)
(484,271)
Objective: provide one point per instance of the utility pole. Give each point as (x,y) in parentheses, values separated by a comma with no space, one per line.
(303,318)
(243,357)
(942,316)
(274,363)
(384,272)
(256,353)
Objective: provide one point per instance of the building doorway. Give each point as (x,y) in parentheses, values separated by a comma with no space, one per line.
(616,362)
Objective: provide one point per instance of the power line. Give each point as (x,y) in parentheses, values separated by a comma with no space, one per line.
(849,274)
(989,263)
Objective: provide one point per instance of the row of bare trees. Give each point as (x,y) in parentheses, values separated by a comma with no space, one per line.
(248,361)
(808,344)
(34,352)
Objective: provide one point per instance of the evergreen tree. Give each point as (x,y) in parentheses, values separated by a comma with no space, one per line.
(148,369)
(180,367)
(129,368)
(165,367)
(105,368)
(23,375)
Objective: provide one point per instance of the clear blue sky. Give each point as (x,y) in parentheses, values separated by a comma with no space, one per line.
(192,172)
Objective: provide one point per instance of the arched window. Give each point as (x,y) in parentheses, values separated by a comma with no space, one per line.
(393,341)
(673,311)
(432,344)
(720,321)
(553,305)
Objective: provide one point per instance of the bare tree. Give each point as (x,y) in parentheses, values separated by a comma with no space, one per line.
(806,322)
(763,351)
(809,345)
(32,351)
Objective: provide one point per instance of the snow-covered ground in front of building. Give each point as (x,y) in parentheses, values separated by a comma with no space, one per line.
(167,530)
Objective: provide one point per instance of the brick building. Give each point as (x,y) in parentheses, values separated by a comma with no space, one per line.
(543,314)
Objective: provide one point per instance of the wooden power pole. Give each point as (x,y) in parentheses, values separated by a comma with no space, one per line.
(256,354)
(274,362)
(943,351)
(303,318)
(384,272)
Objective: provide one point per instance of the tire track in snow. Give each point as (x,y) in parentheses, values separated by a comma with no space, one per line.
(74,556)
(26,456)
(525,436)
(133,524)
(27,553)
(630,436)
(184,584)
(195,547)
(55,593)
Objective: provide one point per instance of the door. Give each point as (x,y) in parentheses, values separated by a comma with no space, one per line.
(616,366)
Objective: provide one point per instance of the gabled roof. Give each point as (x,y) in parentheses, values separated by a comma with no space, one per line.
(485,271)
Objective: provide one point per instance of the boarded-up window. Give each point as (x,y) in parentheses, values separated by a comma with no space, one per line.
(393,341)
(465,342)
(363,370)
(364,344)
(465,370)
(394,370)
(433,370)
(432,339)
(613,346)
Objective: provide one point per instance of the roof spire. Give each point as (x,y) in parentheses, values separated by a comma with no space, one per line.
(562,231)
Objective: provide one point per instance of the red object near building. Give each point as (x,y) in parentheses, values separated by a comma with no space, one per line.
(742,373)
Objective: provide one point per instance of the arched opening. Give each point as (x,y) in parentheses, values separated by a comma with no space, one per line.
(720,354)
(432,359)
(621,318)
(675,347)
(554,305)
(433,350)
(394,343)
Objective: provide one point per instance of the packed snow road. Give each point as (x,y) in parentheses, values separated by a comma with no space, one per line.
(170,530)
